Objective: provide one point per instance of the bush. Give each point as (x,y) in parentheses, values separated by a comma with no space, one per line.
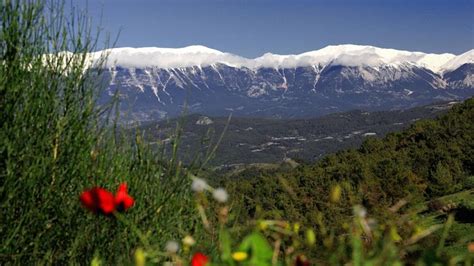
(56,142)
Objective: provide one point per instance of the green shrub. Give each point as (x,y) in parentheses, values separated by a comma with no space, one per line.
(55,144)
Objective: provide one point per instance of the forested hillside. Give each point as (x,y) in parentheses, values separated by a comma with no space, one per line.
(263,140)
(431,159)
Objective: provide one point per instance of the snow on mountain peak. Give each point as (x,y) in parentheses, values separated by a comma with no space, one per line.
(454,63)
(354,55)
(346,54)
(196,55)
(364,55)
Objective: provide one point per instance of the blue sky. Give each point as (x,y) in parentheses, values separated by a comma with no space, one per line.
(253,27)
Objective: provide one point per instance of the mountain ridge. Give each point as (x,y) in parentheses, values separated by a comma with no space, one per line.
(345,54)
(155,83)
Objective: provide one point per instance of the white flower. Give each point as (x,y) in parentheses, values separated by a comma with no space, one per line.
(199,185)
(220,195)
(172,246)
(360,211)
(372,223)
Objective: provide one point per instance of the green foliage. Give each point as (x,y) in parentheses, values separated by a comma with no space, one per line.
(430,159)
(54,144)
(257,246)
(360,241)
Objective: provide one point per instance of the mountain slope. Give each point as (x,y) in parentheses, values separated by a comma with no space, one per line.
(418,177)
(346,55)
(257,140)
(155,83)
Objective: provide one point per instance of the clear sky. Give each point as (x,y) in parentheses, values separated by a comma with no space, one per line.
(251,28)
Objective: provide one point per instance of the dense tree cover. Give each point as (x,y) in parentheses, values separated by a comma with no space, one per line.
(249,140)
(432,158)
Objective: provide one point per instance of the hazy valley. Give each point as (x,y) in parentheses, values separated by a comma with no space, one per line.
(260,140)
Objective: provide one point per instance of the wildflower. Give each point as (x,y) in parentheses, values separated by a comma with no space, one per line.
(335,195)
(220,195)
(372,223)
(94,154)
(296,227)
(98,200)
(262,225)
(301,260)
(172,246)
(189,241)
(394,234)
(310,237)
(123,201)
(223,214)
(239,256)
(360,211)
(96,261)
(199,259)
(140,257)
(470,247)
(198,185)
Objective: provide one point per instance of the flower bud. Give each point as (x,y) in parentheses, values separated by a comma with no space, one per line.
(310,237)
(239,256)
(335,194)
(172,246)
(139,257)
(188,241)
(198,185)
(220,195)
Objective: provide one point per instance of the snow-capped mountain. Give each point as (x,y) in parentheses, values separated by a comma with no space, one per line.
(157,82)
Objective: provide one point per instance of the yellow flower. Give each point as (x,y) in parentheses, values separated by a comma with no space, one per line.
(296,227)
(239,256)
(394,234)
(189,241)
(263,225)
(139,257)
(96,261)
(310,237)
(335,194)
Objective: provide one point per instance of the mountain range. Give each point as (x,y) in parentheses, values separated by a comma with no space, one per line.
(155,83)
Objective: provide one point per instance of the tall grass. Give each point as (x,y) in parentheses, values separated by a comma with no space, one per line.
(55,143)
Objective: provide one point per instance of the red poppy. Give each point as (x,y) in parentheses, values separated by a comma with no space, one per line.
(301,260)
(98,200)
(123,201)
(199,259)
